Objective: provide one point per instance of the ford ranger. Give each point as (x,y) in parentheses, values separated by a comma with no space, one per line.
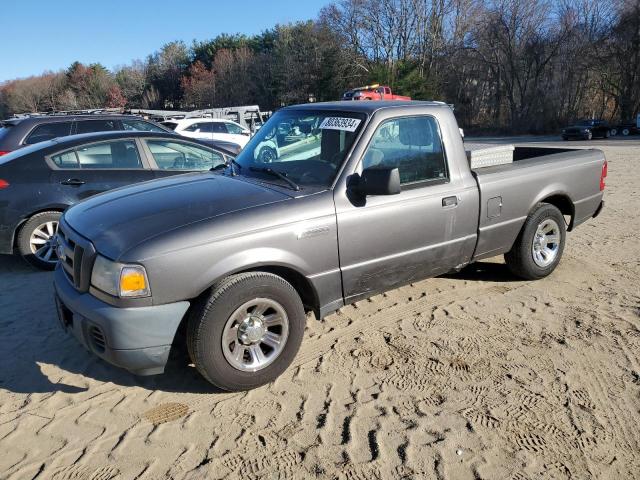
(376,195)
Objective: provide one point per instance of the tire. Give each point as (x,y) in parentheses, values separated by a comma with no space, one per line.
(522,259)
(613,132)
(229,303)
(39,230)
(607,134)
(267,155)
(588,136)
(625,132)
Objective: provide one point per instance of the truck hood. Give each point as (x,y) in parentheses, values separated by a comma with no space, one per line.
(118,220)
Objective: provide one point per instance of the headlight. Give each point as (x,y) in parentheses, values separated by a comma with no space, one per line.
(118,279)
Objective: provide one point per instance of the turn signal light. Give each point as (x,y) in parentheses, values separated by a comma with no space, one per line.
(3,184)
(133,282)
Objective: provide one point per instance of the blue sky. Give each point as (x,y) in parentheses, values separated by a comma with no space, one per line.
(39,35)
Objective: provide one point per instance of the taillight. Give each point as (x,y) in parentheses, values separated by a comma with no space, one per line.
(3,152)
(3,184)
(603,175)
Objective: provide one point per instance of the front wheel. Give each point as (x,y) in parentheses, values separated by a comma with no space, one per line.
(539,246)
(35,240)
(267,155)
(247,331)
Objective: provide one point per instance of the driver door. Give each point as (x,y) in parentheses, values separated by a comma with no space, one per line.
(390,240)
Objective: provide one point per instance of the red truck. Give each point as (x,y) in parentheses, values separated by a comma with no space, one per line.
(372,92)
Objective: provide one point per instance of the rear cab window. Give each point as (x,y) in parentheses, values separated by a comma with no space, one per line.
(48,131)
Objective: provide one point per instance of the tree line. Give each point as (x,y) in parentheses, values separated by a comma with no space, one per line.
(505,65)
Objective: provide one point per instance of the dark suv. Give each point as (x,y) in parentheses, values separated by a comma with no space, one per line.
(16,133)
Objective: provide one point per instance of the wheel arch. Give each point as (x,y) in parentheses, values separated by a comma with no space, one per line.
(302,285)
(563,203)
(51,208)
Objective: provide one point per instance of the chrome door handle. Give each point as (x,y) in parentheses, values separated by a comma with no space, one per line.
(450,201)
(74,182)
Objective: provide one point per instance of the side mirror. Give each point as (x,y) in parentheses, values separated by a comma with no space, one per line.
(378,181)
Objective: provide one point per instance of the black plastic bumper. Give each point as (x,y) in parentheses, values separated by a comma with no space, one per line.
(599,209)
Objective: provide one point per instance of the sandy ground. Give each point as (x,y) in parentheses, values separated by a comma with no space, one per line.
(470,376)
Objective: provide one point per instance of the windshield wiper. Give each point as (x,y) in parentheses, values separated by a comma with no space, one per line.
(275,173)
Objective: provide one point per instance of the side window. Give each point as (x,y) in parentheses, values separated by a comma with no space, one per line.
(121,154)
(48,131)
(192,128)
(412,144)
(141,126)
(234,129)
(173,155)
(218,127)
(65,160)
(206,128)
(89,126)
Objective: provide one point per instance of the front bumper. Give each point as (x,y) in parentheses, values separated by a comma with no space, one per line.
(580,135)
(137,339)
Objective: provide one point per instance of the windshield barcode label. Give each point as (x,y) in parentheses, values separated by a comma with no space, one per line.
(340,123)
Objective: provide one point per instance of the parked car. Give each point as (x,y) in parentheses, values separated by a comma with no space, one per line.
(210,129)
(228,147)
(38,182)
(16,133)
(586,130)
(236,258)
(372,92)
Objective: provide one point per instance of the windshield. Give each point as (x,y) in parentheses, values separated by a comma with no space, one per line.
(585,123)
(305,146)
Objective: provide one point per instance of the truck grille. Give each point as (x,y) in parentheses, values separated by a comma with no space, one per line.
(76,255)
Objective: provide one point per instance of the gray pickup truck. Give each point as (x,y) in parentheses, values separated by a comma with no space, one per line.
(354,198)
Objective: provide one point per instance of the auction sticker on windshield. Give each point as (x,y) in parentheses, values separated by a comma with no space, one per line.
(340,123)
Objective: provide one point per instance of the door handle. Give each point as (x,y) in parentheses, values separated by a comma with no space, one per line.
(74,182)
(450,201)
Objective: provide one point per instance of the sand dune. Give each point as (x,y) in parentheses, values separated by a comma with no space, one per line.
(470,376)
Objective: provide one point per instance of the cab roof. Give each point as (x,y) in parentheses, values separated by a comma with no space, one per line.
(366,106)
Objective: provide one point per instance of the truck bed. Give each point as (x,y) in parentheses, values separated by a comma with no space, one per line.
(509,192)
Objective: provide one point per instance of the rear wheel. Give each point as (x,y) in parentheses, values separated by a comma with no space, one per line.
(539,246)
(625,132)
(613,132)
(35,240)
(247,331)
